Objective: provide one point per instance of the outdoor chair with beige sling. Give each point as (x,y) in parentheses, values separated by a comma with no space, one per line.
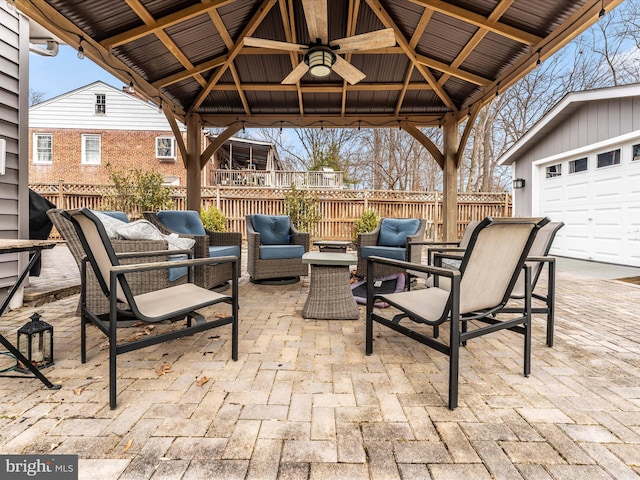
(478,290)
(172,303)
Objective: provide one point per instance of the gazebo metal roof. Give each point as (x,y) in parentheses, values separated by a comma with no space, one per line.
(450,58)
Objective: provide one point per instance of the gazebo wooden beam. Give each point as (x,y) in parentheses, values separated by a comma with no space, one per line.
(426,142)
(217,143)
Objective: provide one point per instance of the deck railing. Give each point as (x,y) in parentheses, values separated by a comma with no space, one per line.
(339,208)
(277,178)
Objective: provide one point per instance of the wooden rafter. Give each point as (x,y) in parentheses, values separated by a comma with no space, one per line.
(309,121)
(352,20)
(388,22)
(415,38)
(479,21)
(497,12)
(286,12)
(228,41)
(580,20)
(322,88)
(162,23)
(248,30)
(196,70)
(454,72)
(148,19)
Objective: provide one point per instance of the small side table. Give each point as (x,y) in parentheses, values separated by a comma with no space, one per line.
(330,296)
(334,246)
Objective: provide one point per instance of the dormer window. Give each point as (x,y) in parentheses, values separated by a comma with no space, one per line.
(101,104)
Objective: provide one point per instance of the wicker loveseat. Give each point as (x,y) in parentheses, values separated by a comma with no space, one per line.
(187,223)
(140,282)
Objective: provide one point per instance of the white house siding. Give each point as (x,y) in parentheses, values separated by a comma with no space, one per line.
(76,110)
(14,91)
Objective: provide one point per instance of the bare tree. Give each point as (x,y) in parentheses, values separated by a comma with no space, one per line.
(36,97)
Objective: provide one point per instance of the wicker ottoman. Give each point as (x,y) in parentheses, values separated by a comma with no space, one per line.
(330,296)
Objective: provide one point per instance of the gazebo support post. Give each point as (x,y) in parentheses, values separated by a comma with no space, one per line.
(194,172)
(450,179)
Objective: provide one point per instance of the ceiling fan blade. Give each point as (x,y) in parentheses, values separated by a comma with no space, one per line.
(274,44)
(347,71)
(365,41)
(315,11)
(296,74)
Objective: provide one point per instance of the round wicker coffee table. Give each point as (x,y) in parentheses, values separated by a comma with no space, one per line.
(330,296)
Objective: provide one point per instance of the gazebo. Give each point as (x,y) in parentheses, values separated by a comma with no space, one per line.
(237,64)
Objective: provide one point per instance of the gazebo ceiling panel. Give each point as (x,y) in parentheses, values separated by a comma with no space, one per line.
(378,103)
(273,102)
(196,39)
(133,55)
(541,16)
(322,103)
(493,54)
(227,101)
(420,102)
(442,26)
(261,68)
(449,54)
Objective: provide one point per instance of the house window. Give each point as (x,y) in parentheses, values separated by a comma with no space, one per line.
(636,152)
(42,148)
(554,170)
(166,148)
(91,149)
(579,165)
(101,104)
(609,158)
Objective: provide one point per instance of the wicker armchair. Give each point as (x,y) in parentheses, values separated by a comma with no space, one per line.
(390,239)
(187,223)
(269,258)
(140,282)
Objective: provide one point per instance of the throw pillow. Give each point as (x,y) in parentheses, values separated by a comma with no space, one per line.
(110,224)
(145,230)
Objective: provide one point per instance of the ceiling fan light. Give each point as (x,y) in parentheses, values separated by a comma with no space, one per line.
(320,61)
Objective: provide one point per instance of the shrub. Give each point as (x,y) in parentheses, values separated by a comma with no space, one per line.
(213,219)
(303,207)
(366,223)
(137,191)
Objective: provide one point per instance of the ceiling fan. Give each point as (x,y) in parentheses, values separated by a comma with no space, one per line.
(321,57)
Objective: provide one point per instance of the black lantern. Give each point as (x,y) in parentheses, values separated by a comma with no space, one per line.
(518,183)
(35,342)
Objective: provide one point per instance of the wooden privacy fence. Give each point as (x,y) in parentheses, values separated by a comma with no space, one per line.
(339,208)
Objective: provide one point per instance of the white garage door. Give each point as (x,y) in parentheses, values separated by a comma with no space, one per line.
(601,211)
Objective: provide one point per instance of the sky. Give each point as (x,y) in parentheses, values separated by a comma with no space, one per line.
(65,72)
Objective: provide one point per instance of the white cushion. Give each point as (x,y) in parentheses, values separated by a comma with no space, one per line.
(110,224)
(144,230)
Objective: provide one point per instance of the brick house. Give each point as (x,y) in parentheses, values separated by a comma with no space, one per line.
(74,136)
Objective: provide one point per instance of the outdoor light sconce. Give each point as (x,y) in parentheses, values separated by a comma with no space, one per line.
(518,183)
(320,60)
(35,342)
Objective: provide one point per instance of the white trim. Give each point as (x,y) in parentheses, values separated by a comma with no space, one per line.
(35,150)
(592,148)
(623,91)
(84,153)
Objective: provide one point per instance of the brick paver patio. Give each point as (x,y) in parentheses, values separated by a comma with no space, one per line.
(304,401)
